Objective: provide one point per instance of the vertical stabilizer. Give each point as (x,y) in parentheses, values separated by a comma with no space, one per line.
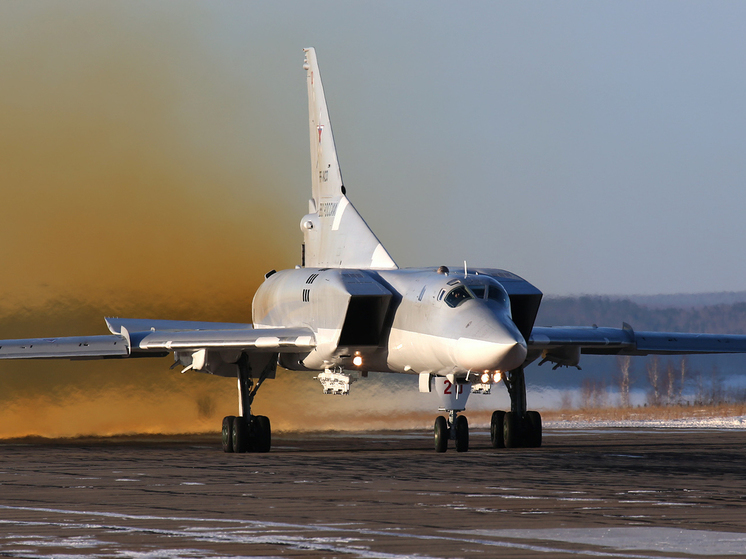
(334,233)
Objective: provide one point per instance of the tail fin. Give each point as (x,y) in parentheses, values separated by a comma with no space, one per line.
(334,233)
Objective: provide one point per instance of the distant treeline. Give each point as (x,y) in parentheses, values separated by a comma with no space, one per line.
(607,311)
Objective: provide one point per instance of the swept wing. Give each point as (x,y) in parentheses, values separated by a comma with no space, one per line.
(155,338)
(625,341)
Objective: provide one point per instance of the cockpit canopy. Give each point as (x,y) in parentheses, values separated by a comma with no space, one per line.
(487,288)
(480,288)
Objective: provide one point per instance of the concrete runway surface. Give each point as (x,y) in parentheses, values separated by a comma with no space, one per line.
(595,493)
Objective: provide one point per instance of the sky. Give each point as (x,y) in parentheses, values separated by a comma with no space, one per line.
(590,147)
(154,162)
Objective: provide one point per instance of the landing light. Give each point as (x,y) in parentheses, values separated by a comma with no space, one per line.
(485,378)
(497,377)
(357,361)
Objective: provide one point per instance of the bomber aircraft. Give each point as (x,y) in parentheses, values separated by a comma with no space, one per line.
(348,309)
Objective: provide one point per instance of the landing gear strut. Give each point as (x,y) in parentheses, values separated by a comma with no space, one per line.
(518,427)
(247,432)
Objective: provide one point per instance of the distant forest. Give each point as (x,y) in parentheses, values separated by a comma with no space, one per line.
(649,314)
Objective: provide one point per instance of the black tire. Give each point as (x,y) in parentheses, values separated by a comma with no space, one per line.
(262,434)
(512,430)
(462,434)
(228,433)
(533,422)
(441,434)
(240,435)
(496,429)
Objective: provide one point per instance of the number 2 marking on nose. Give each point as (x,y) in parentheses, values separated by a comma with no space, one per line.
(449,384)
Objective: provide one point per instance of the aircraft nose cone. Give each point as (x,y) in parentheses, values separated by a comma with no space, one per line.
(514,355)
(502,351)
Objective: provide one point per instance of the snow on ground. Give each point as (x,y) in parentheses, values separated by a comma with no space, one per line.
(738,422)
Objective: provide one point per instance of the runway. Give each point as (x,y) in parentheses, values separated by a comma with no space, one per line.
(598,493)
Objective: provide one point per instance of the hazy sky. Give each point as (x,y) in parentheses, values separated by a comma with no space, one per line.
(590,147)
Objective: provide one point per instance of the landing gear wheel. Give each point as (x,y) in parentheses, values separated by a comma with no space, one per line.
(261,433)
(240,435)
(496,429)
(228,433)
(462,434)
(533,422)
(512,430)
(441,434)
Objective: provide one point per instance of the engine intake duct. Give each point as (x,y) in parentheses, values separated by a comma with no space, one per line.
(363,322)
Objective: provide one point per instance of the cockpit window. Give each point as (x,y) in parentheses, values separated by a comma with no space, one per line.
(457,296)
(478,290)
(497,294)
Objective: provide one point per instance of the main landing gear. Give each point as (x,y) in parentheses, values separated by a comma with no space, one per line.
(242,435)
(509,430)
(514,429)
(247,432)
(518,427)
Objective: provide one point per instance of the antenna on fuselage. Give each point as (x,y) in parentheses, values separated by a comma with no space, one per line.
(465,273)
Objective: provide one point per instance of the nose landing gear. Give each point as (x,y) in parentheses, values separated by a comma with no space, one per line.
(453,395)
(455,428)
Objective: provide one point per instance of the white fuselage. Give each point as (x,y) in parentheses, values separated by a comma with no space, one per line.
(403,321)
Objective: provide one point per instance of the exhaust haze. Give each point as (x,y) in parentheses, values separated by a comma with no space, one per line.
(127,190)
